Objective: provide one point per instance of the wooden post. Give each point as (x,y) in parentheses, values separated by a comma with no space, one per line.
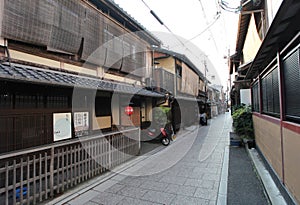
(40,177)
(28,181)
(21,180)
(6,182)
(46,176)
(52,172)
(14,182)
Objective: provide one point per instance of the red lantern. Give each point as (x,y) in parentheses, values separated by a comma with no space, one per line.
(128,110)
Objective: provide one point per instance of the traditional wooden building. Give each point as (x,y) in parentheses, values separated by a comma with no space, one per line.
(274,77)
(252,27)
(176,75)
(215,101)
(72,93)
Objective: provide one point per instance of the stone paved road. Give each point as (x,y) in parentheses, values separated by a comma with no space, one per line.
(186,172)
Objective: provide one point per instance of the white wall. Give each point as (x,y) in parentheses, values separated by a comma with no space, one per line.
(272,6)
(245,96)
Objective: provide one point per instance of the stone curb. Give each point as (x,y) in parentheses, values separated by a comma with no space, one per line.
(269,185)
(222,192)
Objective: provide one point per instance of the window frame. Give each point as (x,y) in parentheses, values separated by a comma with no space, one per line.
(287,116)
(267,82)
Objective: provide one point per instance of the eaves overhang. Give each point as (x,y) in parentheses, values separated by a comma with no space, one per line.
(233,61)
(39,76)
(183,58)
(243,69)
(283,29)
(243,24)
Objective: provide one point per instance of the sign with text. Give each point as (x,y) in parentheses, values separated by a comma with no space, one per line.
(81,121)
(62,126)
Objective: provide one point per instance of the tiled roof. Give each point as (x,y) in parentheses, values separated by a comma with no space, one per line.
(30,74)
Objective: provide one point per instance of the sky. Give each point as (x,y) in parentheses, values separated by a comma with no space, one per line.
(212,31)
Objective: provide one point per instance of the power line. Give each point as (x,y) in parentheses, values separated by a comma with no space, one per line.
(161,22)
(178,39)
(225,6)
(205,17)
(203,31)
(146,5)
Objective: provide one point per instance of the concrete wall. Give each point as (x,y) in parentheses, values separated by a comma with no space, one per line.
(291,146)
(268,139)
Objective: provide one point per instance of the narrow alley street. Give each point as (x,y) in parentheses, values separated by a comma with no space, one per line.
(189,171)
(92,91)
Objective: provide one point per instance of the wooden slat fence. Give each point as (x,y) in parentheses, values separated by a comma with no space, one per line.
(35,175)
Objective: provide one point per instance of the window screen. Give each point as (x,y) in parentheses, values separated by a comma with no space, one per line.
(255,97)
(270,95)
(292,85)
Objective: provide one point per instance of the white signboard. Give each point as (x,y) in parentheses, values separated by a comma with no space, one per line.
(245,96)
(81,121)
(62,126)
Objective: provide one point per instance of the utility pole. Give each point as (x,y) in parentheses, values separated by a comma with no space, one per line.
(205,85)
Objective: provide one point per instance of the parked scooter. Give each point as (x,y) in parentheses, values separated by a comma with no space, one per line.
(164,134)
(203,119)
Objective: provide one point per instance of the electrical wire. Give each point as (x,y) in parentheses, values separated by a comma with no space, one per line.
(178,39)
(204,30)
(161,22)
(225,6)
(208,27)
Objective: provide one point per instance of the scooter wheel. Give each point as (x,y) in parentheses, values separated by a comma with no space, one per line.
(165,141)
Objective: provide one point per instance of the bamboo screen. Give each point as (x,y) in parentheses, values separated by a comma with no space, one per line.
(93,35)
(190,81)
(113,41)
(66,29)
(134,60)
(72,27)
(28,21)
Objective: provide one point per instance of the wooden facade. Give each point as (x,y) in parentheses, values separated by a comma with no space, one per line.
(184,83)
(67,71)
(74,29)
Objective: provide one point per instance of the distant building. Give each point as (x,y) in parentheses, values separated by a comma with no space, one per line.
(176,75)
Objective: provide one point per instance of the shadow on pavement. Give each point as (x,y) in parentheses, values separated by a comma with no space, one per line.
(244,186)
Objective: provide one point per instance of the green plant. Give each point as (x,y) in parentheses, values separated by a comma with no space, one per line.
(162,115)
(242,122)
